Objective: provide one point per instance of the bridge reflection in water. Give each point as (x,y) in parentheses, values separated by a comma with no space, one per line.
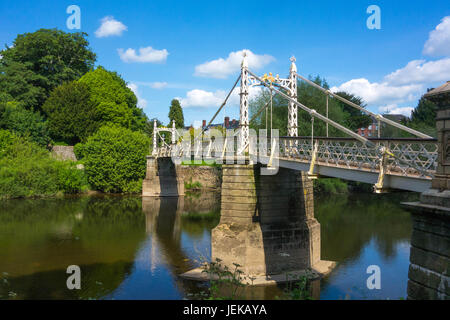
(357,231)
(135,248)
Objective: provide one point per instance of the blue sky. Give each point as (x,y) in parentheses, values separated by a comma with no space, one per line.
(190,48)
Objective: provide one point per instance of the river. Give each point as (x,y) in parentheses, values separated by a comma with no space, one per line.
(128,247)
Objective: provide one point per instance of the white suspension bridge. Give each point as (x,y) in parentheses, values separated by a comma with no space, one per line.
(387,163)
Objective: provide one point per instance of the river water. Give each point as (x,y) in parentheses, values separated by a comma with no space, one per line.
(135,248)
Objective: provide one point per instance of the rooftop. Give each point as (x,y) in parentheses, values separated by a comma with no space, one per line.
(445,88)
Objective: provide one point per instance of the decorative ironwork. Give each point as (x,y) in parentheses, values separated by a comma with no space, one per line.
(412,157)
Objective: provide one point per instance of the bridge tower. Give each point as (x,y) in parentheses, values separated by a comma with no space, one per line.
(243,115)
(292,107)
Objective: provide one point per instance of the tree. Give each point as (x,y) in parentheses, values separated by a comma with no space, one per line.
(114,159)
(114,101)
(176,113)
(24,123)
(71,115)
(40,61)
(354,118)
(424,113)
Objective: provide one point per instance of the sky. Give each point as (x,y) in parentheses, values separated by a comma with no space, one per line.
(191,50)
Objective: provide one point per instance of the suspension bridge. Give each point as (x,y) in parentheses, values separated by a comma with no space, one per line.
(387,163)
(267,222)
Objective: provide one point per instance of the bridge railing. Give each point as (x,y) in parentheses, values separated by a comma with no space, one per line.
(412,156)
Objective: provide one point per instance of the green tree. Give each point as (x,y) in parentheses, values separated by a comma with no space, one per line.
(176,113)
(115,159)
(24,123)
(424,113)
(114,101)
(72,117)
(40,61)
(354,118)
(309,96)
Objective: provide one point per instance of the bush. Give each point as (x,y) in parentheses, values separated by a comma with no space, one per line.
(23,122)
(28,170)
(115,159)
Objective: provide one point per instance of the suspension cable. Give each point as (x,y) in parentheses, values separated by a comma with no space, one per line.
(376,116)
(313,113)
(220,108)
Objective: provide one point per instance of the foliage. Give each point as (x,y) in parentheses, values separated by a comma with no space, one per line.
(24,123)
(311,97)
(354,118)
(225,284)
(189,185)
(115,103)
(40,61)
(297,288)
(424,113)
(28,170)
(176,113)
(330,186)
(71,115)
(115,159)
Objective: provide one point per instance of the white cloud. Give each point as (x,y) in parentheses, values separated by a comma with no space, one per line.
(142,103)
(202,98)
(420,71)
(158,85)
(147,54)
(110,27)
(438,43)
(394,109)
(407,83)
(222,68)
(207,99)
(374,93)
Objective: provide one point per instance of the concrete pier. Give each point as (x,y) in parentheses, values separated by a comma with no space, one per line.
(162,178)
(267,225)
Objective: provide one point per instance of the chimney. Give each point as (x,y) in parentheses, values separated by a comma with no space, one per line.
(204,124)
(227,122)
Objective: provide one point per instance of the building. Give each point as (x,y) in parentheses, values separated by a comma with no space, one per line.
(372,130)
(227,124)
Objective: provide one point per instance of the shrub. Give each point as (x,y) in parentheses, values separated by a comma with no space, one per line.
(28,170)
(23,122)
(115,159)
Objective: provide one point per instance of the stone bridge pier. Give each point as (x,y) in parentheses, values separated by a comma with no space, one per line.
(429,269)
(267,225)
(162,178)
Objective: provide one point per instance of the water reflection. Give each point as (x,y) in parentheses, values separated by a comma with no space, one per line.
(135,248)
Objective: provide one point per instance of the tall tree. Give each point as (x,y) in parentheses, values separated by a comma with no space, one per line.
(40,61)
(115,102)
(354,118)
(424,113)
(71,115)
(176,113)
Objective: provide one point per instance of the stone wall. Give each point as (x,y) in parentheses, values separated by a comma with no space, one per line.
(64,153)
(209,177)
(429,270)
